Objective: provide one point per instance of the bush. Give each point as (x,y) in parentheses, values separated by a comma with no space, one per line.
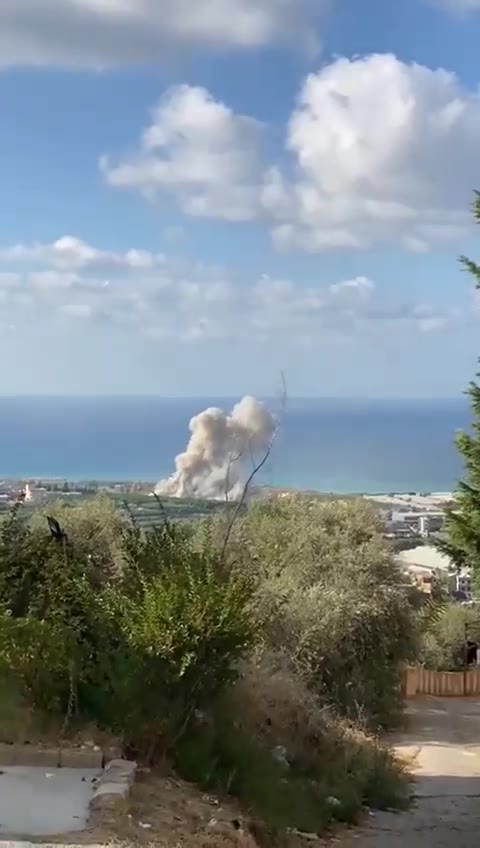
(138,635)
(177,623)
(45,577)
(42,656)
(329,595)
(292,763)
(151,636)
(95,530)
(443,646)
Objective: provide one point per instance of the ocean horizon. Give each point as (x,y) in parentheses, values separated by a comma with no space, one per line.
(323,444)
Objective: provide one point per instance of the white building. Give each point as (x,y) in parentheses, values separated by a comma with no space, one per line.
(34,496)
(422,522)
(419,561)
(462,582)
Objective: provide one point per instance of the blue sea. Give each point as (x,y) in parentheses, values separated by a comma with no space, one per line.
(328,445)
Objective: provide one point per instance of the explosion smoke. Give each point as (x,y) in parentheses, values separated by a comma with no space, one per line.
(221,452)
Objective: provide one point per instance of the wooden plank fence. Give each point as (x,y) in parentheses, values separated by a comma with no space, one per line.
(416,680)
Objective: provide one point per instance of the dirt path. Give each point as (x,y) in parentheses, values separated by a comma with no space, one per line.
(443,737)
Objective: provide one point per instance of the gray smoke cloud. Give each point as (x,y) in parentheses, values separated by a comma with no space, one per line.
(221,451)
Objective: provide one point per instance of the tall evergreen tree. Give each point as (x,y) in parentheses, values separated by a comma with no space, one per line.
(463,520)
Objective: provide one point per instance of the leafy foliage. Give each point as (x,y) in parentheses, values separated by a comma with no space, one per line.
(39,654)
(329,595)
(144,628)
(463,519)
(217,658)
(178,623)
(443,644)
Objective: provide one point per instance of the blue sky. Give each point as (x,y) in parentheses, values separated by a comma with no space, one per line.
(195,201)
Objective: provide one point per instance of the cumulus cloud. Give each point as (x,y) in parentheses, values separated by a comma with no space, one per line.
(170,300)
(104,33)
(379,151)
(383,151)
(201,152)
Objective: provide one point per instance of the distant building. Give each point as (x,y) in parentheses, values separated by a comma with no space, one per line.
(34,495)
(425,566)
(426,559)
(461,583)
(423,578)
(423,523)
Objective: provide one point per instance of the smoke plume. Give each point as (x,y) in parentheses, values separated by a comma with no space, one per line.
(221,452)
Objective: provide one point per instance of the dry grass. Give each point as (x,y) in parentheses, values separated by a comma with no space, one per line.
(346,762)
(163,810)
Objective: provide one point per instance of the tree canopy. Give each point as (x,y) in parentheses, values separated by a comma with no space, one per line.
(463,519)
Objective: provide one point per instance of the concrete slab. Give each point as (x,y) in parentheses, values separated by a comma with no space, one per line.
(41,802)
(20,843)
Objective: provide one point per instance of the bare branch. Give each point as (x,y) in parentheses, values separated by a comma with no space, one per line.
(163,513)
(257,467)
(231,460)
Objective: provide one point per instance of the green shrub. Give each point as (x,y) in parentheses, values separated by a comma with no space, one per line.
(329,594)
(137,639)
(146,635)
(174,636)
(42,656)
(443,644)
(330,770)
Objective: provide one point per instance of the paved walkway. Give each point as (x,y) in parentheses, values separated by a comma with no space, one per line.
(443,738)
(38,801)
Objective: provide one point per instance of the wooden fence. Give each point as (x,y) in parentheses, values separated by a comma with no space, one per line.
(446,684)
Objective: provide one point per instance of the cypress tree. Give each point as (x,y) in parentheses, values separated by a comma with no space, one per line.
(463,519)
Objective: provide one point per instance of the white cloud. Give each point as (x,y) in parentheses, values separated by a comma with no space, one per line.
(103,33)
(384,151)
(71,254)
(380,152)
(200,151)
(361,285)
(177,301)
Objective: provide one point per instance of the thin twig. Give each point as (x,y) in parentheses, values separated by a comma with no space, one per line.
(258,467)
(129,513)
(231,460)
(166,521)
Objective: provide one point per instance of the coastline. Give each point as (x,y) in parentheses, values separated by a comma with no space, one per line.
(343,448)
(79,485)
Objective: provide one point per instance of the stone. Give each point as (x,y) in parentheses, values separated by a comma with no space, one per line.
(115,782)
(110,788)
(124,765)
